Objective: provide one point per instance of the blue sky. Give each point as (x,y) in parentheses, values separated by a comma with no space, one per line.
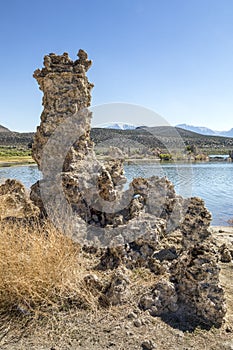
(172,56)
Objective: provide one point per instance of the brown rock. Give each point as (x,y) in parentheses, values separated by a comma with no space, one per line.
(149,225)
(117,292)
(225,254)
(15,201)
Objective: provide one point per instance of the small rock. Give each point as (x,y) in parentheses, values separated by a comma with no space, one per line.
(154,311)
(137,323)
(228,329)
(173,307)
(226,256)
(228,345)
(117,327)
(166,254)
(179,333)
(129,333)
(148,345)
(147,301)
(132,315)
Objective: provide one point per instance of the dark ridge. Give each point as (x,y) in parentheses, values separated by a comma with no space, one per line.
(161,137)
(150,137)
(16,139)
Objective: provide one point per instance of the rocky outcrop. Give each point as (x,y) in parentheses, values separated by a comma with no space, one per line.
(185,261)
(226,253)
(147,226)
(66,91)
(15,201)
(196,271)
(161,298)
(69,158)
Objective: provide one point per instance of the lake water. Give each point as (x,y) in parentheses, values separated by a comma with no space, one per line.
(211,181)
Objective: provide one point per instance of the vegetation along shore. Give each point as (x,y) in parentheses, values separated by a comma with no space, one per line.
(140,144)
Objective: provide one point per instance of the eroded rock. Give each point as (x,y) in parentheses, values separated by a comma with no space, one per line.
(161,299)
(15,201)
(148,225)
(225,253)
(63,149)
(118,290)
(196,276)
(66,91)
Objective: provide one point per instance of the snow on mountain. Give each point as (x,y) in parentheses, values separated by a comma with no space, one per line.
(228,133)
(205,131)
(198,129)
(118,126)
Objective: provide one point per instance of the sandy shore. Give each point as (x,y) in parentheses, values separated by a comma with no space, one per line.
(8,163)
(223,234)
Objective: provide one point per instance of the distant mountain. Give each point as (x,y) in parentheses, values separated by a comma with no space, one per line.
(164,138)
(198,129)
(227,133)
(118,126)
(15,139)
(205,131)
(4,129)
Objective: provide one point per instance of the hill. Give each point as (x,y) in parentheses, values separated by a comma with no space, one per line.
(150,137)
(4,129)
(228,133)
(162,137)
(16,139)
(206,131)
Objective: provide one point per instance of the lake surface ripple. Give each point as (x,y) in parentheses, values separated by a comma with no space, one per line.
(210,181)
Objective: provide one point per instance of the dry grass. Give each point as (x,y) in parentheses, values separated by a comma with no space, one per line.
(16,160)
(44,269)
(39,268)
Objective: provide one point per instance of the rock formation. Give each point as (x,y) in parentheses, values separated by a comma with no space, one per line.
(15,202)
(66,91)
(149,225)
(66,96)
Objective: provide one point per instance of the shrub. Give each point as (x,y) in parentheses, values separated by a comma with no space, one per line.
(14,152)
(39,267)
(165,156)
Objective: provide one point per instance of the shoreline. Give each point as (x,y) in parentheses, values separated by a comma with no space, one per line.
(10,161)
(16,161)
(223,232)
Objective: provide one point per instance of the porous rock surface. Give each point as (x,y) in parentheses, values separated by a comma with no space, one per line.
(15,201)
(66,90)
(65,119)
(152,227)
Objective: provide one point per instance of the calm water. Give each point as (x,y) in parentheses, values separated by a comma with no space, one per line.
(211,181)
(28,174)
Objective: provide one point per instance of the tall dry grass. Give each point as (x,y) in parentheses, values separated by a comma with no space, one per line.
(39,268)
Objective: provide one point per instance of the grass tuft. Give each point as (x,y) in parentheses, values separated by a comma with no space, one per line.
(40,268)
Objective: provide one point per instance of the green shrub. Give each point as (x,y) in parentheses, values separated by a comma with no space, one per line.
(14,152)
(165,156)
